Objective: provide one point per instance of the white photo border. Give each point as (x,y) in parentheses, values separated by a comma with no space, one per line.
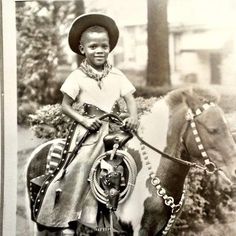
(8,165)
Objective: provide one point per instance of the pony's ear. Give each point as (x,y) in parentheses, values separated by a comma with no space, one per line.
(192,99)
(210,94)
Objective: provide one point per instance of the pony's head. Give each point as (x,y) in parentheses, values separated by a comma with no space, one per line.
(205,135)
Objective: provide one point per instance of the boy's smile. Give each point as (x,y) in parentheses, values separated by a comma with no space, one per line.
(95,47)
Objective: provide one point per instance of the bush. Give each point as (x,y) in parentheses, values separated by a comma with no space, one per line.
(148,92)
(49,122)
(206,203)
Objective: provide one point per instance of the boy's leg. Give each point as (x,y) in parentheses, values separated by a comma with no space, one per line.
(68,232)
(64,232)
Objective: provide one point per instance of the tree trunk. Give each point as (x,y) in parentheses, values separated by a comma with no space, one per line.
(158,68)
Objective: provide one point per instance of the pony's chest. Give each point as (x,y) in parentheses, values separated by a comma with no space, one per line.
(133,208)
(154,131)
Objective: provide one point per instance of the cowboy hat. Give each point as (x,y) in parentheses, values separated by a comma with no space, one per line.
(81,23)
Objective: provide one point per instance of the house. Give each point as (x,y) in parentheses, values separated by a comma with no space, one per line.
(202,40)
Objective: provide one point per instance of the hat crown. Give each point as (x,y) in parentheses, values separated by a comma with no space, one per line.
(85,21)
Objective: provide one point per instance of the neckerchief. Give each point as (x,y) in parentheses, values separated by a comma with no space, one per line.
(91,72)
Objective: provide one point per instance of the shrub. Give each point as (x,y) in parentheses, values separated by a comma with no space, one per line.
(206,203)
(49,122)
(40,50)
(148,92)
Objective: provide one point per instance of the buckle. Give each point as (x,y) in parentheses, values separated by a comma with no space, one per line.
(210,168)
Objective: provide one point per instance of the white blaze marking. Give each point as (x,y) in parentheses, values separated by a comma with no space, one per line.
(154,128)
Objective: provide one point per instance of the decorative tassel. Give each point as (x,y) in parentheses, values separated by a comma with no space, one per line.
(99,84)
(111,224)
(225,178)
(57,197)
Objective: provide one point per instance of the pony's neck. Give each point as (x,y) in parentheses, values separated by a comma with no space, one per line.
(163,128)
(154,128)
(173,174)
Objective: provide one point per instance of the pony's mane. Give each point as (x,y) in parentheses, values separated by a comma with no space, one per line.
(177,96)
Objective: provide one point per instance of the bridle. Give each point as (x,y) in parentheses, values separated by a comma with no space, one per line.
(209,166)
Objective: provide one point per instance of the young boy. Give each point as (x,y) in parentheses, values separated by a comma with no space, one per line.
(97,86)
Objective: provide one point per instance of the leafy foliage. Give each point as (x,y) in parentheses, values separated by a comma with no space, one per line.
(40,32)
(49,122)
(206,203)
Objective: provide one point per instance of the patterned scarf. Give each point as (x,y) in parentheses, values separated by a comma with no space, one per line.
(91,72)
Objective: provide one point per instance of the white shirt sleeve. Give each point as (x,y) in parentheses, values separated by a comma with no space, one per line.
(126,86)
(71,85)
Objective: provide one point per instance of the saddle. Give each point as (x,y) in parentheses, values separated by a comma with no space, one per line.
(120,138)
(112,176)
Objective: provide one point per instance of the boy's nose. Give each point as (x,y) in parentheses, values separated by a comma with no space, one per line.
(100,50)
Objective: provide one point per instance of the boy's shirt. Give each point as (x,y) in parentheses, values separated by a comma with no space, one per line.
(86,90)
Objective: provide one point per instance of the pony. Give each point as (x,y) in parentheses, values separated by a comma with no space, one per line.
(190,129)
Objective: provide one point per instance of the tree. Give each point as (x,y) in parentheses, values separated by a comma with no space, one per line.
(158,68)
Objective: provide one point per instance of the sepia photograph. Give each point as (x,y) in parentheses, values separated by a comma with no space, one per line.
(118,118)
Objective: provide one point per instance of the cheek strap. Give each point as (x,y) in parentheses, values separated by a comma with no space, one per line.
(224,177)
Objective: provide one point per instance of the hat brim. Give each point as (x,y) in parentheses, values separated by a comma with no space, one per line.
(81,23)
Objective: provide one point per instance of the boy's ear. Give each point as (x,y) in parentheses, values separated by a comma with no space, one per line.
(81,48)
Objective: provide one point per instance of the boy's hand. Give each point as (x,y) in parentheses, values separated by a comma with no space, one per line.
(131,123)
(92,124)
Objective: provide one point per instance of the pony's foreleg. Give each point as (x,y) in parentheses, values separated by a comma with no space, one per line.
(154,218)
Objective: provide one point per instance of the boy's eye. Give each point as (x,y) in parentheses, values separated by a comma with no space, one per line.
(93,46)
(105,46)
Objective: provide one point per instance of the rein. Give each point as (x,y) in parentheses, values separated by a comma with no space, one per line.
(175,159)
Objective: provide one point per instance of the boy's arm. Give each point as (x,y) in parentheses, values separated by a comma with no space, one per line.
(132,121)
(131,105)
(91,124)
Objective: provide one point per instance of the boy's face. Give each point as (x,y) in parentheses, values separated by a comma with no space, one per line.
(95,47)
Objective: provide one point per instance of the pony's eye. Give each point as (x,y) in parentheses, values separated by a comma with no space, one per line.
(213,130)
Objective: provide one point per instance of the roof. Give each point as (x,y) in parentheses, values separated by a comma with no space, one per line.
(210,40)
